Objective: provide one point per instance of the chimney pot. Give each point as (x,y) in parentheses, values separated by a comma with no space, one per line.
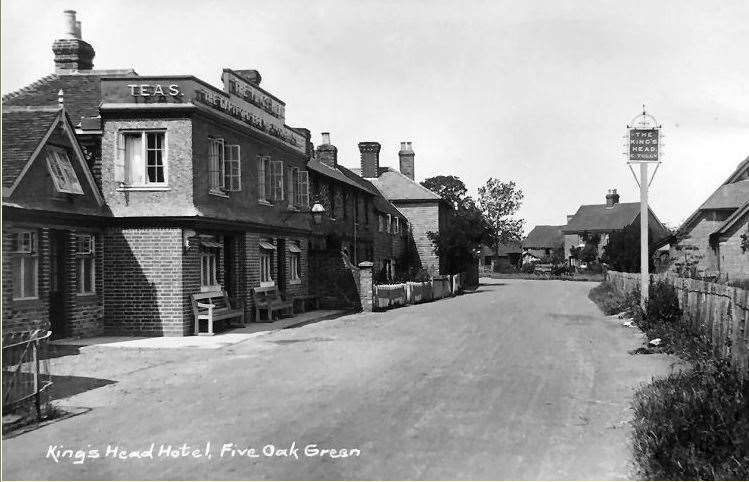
(406,156)
(370,158)
(327,153)
(326,137)
(78,29)
(71,53)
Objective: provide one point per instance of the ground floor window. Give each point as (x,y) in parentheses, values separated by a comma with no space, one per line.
(208,268)
(85,264)
(266,264)
(295,254)
(25,265)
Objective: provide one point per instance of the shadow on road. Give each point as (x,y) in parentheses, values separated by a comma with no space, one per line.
(64,386)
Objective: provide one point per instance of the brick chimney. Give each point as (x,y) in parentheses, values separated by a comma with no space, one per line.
(71,53)
(612,198)
(569,218)
(370,158)
(250,75)
(327,153)
(406,155)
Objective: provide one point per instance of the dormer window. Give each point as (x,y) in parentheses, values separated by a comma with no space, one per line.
(62,172)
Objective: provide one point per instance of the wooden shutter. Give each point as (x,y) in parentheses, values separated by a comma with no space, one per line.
(119,159)
(261,178)
(276,169)
(303,189)
(290,184)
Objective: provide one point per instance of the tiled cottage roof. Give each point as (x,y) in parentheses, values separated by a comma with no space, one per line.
(544,236)
(509,248)
(23,131)
(398,187)
(334,173)
(597,217)
(81,92)
(728,196)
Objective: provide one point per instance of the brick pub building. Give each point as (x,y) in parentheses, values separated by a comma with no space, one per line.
(184,188)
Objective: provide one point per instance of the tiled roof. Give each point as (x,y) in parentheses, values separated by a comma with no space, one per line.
(544,236)
(509,248)
(398,187)
(733,221)
(23,130)
(326,170)
(81,92)
(728,196)
(597,217)
(381,204)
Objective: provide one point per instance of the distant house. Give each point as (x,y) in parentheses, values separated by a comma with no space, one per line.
(715,238)
(543,241)
(600,220)
(504,258)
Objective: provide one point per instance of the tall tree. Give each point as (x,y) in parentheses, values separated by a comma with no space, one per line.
(622,252)
(499,201)
(463,234)
(451,188)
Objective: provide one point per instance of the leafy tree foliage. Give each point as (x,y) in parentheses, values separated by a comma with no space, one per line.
(464,233)
(622,252)
(451,188)
(499,200)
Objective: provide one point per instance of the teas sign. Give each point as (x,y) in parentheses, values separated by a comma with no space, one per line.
(643,145)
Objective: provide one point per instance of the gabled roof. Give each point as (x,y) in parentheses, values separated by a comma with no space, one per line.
(735,220)
(335,173)
(81,92)
(598,217)
(399,187)
(544,236)
(728,196)
(25,132)
(381,204)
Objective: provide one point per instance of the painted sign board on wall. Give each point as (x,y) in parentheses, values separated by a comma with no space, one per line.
(643,145)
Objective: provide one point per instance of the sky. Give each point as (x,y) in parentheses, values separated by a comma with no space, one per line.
(536,92)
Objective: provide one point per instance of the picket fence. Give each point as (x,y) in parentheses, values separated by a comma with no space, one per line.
(720,311)
(409,293)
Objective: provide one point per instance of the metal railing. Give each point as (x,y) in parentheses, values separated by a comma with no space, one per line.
(26,375)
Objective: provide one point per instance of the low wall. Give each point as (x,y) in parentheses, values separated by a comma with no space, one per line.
(720,311)
(392,295)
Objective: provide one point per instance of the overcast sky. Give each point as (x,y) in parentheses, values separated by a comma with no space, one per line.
(535,92)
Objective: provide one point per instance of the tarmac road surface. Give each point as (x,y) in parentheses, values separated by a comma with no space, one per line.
(520,380)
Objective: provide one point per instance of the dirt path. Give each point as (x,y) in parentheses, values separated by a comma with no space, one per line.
(520,380)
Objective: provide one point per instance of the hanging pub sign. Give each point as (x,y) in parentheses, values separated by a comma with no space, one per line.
(643,145)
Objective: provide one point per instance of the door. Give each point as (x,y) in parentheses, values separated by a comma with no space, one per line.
(57,284)
(281,263)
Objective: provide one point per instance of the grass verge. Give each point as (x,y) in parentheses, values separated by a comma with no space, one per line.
(694,423)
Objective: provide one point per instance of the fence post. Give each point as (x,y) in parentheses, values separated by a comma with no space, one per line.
(365,285)
(37,397)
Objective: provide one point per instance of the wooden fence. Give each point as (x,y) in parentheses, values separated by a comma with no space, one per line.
(393,295)
(720,311)
(26,377)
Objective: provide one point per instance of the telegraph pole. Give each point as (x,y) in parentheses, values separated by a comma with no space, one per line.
(644,147)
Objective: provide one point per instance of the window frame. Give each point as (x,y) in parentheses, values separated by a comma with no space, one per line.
(266,255)
(216,166)
(121,159)
(211,256)
(229,159)
(62,172)
(81,257)
(19,257)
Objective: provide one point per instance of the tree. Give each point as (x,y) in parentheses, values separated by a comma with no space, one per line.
(463,234)
(450,188)
(622,252)
(498,201)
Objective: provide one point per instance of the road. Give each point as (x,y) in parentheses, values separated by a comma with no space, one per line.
(520,380)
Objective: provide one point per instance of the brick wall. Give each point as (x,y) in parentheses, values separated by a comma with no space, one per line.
(26,314)
(178,199)
(144,284)
(423,218)
(734,261)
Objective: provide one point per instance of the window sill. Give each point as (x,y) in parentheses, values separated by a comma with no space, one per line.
(218,193)
(85,295)
(143,188)
(32,298)
(267,284)
(297,281)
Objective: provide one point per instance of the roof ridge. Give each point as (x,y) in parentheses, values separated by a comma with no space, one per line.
(28,88)
(30,108)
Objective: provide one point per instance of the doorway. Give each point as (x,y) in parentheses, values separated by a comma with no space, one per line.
(58,243)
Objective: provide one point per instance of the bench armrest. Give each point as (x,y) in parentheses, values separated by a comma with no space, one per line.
(205,305)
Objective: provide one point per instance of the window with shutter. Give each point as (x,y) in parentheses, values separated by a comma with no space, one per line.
(277,180)
(232,168)
(216,165)
(303,191)
(291,195)
(265,191)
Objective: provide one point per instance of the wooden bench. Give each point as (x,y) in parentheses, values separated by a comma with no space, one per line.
(306,300)
(214,306)
(267,299)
